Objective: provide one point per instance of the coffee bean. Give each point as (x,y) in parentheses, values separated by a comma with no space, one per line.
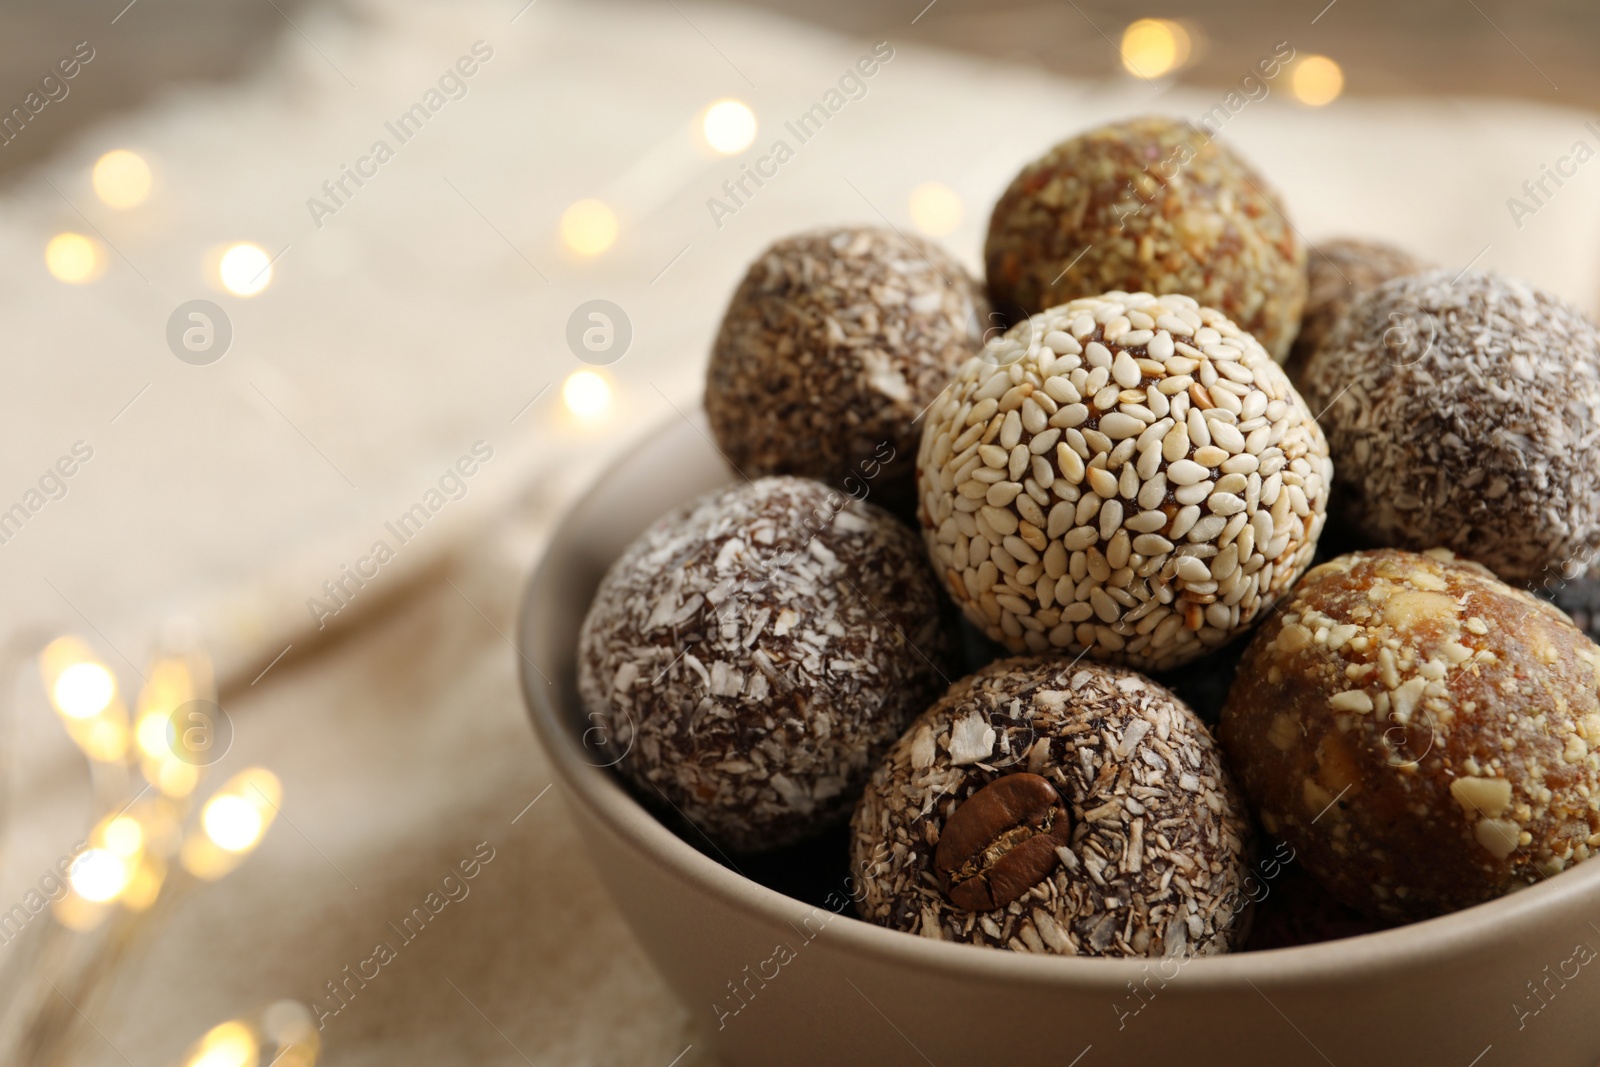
(1002,841)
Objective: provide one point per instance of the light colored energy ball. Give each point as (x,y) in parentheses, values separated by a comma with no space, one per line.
(1425,736)
(1338,271)
(1463,411)
(1155,204)
(1126,475)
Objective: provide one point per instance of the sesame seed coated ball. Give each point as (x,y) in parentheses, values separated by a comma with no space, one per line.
(1151,204)
(1338,271)
(1464,411)
(1127,475)
(834,343)
(1057,808)
(1425,736)
(751,654)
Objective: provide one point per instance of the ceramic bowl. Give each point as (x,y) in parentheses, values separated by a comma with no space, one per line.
(776,981)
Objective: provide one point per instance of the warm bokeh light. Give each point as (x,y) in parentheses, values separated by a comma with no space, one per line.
(729,126)
(232,1044)
(1317,80)
(122,179)
(586,393)
(589,227)
(245,269)
(232,822)
(173,777)
(124,836)
(99,875)
(74,258)
(145,886)
(83,690)
(1154,47)
(935,209)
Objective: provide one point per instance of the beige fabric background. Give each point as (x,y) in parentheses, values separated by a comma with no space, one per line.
(423,317)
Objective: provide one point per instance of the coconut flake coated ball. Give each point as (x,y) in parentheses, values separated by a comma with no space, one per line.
(1425,736)
(1338,271)
(833,344)
(1127,475)
(1150,204)
(750,655)
(1051,807)
(1464,411)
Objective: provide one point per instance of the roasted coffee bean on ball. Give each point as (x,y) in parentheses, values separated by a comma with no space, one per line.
(1463,411)
(750,656)
(1152,205)
(1045,806)
(833,345)
(1127,475)
(1425,736)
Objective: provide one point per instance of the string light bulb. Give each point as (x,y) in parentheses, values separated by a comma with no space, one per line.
(935,209)
(229,1044)
(729,126)
(74,258)
(121,179)
(232,823)
(586,394)
(83,690)
(245,269)
(589,227)
(1317,80)
(1152,48)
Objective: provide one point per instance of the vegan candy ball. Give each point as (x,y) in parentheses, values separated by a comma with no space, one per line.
(833,344)
(1127,475)
(1338,271)
(1464,411)
(749,657)
(1424,736)
(1151,204)
(1049,807)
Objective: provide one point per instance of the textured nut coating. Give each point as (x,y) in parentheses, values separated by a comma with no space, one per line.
(832,346)
(1425,736)
(751,654)
(1150,204)
(1149,835)
(1128,475)
(1338,271)
(1464,412)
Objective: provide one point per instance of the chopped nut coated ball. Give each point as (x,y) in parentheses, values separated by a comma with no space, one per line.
(1424,736)
(1155,205)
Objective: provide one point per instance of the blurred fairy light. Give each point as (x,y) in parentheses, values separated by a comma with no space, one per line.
(83,690)
(586,393)
(1317,80)
(589,227)
(935,209)
(229,1044)
(121,179)
(1152,48)
(232,823)
(74,258)
(99,874)
(729,126)
(245,269)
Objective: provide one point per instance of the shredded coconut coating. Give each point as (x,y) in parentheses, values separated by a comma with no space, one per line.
(1338,271)
(1126,475)
(832,346)
(1151,204)
(750,656)
(1465,413)
(1424,736)
(1159,832)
